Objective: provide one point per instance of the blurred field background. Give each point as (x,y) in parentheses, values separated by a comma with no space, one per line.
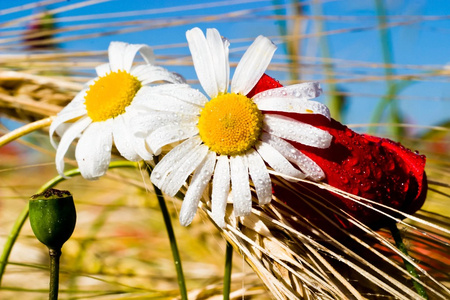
(382,65)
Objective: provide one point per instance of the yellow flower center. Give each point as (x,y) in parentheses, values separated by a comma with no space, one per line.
(230,124)
(110,95)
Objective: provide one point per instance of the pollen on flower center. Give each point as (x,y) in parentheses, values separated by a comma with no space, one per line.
(230,124)
(110,95)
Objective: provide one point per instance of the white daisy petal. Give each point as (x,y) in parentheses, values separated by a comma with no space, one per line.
(168,104)
(296,131)
(179,91)
(61,129)
(141,148)
(252,65)
(240,186)
(226,47)
(306,90)
(284,99)
(260,177)
(277,161)
(184,168)
(299,106)
(199,181)
(63,118)
(149,74)
(137,141)
(116,51)
(166,165)
(220,190)
(203,61)
(77,103)
(102,70)
(219,51)
(169,134)
(148,98)
(93,151)
(123,138)
(306,164)
(144,122)
(71,133)
(130,53)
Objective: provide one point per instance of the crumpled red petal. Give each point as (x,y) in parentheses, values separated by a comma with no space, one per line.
(370,167)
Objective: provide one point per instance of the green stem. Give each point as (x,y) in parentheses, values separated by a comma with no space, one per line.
(409,267)
(55,255)
(227,275)
(12,237)
(172,239)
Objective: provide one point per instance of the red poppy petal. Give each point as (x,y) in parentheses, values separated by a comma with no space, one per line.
(265,83)
(371,167)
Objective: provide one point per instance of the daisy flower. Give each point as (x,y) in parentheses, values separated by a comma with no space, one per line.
(230,137)
(100,114)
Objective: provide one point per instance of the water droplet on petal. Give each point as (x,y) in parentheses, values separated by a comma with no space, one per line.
(390,165)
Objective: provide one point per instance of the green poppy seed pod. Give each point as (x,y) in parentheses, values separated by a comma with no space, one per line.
(53,217)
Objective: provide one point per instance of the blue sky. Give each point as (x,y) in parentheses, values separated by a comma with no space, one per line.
(422,40)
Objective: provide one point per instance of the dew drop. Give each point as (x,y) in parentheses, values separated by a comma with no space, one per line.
(377,173)
(364,187)
(355,191)
(352,161)
(405,186)
(390,165)
(344,179)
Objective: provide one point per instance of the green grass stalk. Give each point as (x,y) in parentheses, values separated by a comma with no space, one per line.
(409,267)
